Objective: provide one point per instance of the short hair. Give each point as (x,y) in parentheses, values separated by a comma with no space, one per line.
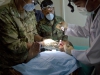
(70,44)
(74,0)
(45,3)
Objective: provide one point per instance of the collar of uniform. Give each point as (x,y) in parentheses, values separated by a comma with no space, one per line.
(49,22)
(46,22)
(56,18)
(13,9)
(4,3)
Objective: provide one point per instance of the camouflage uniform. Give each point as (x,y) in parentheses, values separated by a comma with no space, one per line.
(16,29)
(48,29)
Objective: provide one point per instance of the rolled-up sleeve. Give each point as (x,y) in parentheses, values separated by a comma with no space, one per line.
(78,31)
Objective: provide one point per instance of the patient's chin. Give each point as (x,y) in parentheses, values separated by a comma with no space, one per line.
(61,49)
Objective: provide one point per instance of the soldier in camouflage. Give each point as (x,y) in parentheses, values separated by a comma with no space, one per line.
(47,27)
(17,33)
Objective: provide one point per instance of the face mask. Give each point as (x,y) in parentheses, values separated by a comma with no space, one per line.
(29,7)
(50,16)
(83,10)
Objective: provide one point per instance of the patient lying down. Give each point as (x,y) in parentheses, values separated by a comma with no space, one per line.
(49,63)
(50,44)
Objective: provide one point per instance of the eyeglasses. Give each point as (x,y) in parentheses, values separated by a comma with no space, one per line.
(48,7)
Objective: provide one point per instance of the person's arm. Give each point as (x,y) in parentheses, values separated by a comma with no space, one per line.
(17,47)
(90,56)
(38,27)
(61,22)
(38,38)
(33,51)
(29,45)
(9,38)
(78,31)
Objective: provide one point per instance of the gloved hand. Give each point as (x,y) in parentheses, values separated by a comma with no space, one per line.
(62,26)
(49,42)
(33,51)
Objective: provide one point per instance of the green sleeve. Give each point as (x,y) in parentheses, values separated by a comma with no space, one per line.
(60,19)
(34,28)
(39,30)
(64,37)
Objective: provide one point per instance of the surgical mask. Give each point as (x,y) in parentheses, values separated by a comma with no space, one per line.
(83,10)
(29,6)
(50,16)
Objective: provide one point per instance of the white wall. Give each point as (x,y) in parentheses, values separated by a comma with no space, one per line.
(58,7)
(38,6)
(74,18)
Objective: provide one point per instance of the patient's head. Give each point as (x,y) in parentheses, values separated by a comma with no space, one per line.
(64,43)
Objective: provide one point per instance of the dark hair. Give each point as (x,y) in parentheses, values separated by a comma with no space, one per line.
(70,44)
(74,0)
(45,3)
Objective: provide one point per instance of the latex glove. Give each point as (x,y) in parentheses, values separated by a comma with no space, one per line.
(62,26)
(33,51)
(68,48)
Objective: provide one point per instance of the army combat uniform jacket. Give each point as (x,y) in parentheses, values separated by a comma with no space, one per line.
(16,29)
(47,29)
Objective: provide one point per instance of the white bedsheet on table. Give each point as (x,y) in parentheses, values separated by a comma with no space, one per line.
(49,63)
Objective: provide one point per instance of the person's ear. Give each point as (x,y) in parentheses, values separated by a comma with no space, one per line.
(43,11)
